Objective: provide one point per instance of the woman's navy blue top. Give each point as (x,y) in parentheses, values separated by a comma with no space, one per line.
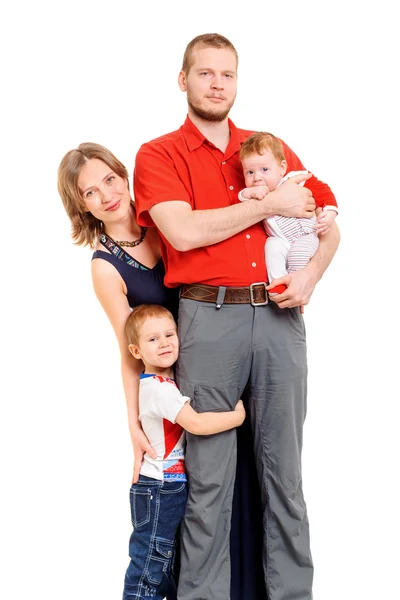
(144,285)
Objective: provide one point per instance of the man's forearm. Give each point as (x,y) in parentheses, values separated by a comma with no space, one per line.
(186,229)
(328,244)
(205,227)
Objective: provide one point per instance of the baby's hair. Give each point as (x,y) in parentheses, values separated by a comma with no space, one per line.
(260,142)
(139,315)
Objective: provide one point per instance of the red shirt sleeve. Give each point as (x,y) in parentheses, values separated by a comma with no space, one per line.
(155,180)
(321,191)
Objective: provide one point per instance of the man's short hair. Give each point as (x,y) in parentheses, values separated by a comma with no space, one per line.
(206,40)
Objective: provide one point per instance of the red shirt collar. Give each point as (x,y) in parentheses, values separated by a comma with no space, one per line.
(194,138)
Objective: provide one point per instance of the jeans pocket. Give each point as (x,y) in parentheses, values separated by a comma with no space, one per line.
(160,561)
(140,506)
(172,487)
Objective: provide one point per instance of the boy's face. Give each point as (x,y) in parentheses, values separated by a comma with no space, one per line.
(263,169)
(158,345)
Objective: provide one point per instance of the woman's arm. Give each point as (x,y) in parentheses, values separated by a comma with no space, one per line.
(111,293)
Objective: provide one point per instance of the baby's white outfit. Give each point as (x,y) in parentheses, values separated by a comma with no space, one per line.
(291,241)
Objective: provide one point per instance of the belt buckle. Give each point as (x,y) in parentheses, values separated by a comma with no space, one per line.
(264,286)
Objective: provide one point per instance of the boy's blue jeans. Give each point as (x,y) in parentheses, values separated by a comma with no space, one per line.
(157,508)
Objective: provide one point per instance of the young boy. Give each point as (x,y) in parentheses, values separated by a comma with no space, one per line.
(158,499)
(291,242)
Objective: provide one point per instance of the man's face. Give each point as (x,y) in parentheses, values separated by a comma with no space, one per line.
(211,83)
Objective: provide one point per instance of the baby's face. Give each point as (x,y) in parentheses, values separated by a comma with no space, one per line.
(263,169)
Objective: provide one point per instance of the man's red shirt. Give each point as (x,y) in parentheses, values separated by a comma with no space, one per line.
(184,165)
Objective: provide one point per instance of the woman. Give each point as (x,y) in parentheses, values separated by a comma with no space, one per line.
(127,270)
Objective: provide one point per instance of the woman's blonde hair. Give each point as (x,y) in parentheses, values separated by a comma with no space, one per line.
(86,228)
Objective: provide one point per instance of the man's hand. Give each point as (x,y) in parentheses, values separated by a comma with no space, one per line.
(300,286)
(291,199)
(324,221)
(140,447)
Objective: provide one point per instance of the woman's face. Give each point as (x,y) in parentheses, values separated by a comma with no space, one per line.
(105,194)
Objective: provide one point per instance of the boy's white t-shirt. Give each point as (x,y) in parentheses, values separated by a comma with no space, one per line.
(159,404)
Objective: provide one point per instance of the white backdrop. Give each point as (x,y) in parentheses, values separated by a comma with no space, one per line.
(321,75)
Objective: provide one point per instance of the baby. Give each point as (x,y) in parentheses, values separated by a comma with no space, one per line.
(291,241)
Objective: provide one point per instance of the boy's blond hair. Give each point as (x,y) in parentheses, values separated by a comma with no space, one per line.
(139,315)
(260,142)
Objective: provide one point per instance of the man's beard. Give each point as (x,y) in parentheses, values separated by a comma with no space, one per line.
(209,115)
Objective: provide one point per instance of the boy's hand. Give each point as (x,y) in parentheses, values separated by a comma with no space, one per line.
(241,413)
(324,221)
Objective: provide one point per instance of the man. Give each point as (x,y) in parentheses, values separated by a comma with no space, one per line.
(232,337)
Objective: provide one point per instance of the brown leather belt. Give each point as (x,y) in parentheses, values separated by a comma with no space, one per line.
(255,294)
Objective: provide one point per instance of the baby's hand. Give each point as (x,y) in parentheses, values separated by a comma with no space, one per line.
(324,221)
(239,408)
(256,192)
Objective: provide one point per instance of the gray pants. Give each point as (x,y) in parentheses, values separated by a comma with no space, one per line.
(223,351)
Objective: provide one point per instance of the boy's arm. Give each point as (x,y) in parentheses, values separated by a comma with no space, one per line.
(210,422)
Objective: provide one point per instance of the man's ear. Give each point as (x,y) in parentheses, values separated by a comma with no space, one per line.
(182,81)
(134,350)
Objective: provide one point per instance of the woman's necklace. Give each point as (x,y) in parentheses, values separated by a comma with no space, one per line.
(135,242)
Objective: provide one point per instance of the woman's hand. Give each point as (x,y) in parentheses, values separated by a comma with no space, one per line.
(140,447)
